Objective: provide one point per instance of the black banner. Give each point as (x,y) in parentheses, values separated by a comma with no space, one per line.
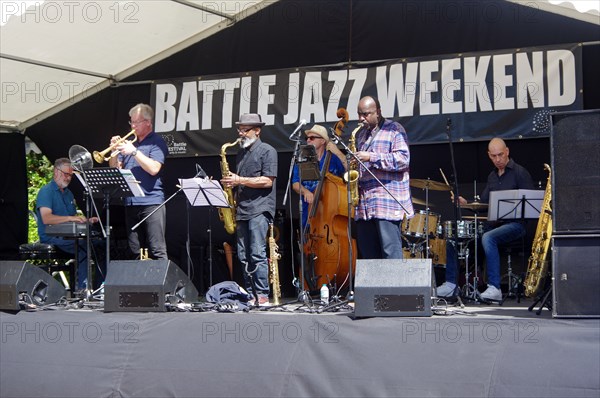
(507,93)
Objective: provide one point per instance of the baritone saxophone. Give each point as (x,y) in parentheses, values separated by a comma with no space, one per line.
(274,258)
(352,173)
(227,214)
(538,263)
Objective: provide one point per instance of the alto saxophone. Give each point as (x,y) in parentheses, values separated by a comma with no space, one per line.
(538,263)
(227,214)
(352,173)
(274,266)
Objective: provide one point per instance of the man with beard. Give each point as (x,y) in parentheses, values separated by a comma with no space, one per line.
(254,183)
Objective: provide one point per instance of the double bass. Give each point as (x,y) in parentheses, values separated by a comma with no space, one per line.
(326,232)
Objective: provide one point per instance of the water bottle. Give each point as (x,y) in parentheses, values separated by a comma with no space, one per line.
(324,294)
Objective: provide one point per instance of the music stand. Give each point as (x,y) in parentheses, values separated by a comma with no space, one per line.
(515,204)
(308,164)
(107,183)
(208,193)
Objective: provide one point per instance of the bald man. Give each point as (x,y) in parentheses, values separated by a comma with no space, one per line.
(506,175)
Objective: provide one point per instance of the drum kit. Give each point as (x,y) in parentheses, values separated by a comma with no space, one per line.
(426,235)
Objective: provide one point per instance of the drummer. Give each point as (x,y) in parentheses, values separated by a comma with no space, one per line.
(506,175)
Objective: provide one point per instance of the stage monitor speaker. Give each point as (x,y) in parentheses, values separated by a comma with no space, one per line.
(146,286)
(392,288)
(576,276)
(575,145)
(36,286)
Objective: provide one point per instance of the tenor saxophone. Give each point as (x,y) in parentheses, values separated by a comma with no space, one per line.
(227,214)
(274,257)
(352,173)
(538,263)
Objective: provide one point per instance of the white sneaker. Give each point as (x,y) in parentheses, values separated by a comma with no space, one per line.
(492,293)
(446,289)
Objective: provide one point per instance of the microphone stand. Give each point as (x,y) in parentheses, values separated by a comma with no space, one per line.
(198,174)
(89,204)
(303,295)
(455,205)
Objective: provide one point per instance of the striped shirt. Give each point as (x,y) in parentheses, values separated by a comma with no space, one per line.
(389,162)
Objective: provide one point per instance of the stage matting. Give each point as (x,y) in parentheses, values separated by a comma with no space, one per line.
(489,351)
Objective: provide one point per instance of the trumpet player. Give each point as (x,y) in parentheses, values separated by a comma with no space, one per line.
(145,157)
(254,189)
(382,145)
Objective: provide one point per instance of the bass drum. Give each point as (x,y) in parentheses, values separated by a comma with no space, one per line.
(438,251)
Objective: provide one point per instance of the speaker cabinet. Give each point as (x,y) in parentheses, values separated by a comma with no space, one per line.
(34,284)
(576,274)
(575,145)
(146,286)
(392,288)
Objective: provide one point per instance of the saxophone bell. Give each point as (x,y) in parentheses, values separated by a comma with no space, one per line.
(227,215)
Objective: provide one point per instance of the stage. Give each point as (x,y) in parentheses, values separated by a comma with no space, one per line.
(475,351)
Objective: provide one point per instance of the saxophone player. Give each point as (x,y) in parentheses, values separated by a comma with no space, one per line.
(507,174)
(253,184)
(318,137)
(382,145)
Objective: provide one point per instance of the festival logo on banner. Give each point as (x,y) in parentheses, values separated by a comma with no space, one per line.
(506,93)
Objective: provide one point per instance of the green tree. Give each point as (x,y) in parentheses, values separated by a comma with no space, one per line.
(39,172)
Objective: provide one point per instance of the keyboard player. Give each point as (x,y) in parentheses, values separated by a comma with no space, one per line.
(55,204)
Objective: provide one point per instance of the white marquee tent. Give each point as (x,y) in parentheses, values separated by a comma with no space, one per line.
(56,53)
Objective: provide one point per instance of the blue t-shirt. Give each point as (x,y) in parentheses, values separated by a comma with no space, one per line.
(155,148)
(61,203)
(336,167)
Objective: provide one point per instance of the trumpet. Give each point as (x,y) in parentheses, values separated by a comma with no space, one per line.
(101,156)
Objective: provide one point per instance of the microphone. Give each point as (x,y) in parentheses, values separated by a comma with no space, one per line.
(302,123)
(200,172)
(333,136)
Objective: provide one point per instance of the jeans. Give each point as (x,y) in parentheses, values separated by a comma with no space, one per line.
(252,252)
(490,240)
(379,239)
(150,234)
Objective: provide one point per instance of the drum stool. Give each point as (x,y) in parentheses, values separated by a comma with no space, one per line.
(514,281)
(49,258)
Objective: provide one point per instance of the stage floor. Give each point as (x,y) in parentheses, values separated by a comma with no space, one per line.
(479,350)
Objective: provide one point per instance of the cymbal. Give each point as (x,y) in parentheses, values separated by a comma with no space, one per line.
(429,184)
(475,206)
(420,202)
(482,218)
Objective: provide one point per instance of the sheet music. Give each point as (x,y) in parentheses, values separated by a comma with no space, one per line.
(203,192)
(508,205)
(132,183)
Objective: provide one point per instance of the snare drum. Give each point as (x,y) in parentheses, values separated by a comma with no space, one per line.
(465,230)
(416,225)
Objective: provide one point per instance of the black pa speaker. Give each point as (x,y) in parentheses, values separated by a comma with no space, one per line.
(146,286)
(392,288)
(19,279)
(576,276)
(575,139)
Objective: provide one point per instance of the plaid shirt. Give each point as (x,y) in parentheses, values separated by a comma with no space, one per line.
(389,162)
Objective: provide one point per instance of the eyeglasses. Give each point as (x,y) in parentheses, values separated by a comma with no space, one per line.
(132,123)
(313,137)
(245,130)
(65,173)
